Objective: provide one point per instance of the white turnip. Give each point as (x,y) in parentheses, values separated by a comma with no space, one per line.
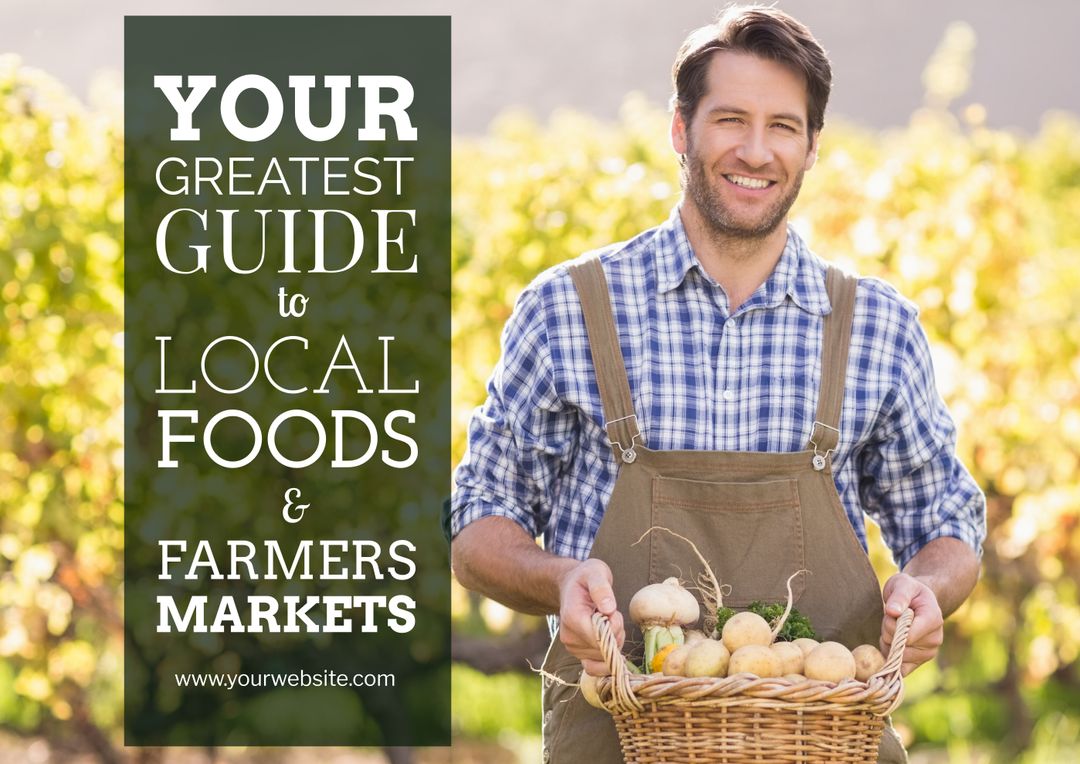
(662,610)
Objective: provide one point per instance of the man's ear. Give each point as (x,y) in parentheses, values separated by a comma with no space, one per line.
(811,154)
(678,132)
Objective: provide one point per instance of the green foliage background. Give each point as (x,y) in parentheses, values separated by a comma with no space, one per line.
(980,227)
(61,416)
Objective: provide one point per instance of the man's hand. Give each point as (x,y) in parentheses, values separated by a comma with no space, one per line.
(495,557)
(583,590)
(927,630)
(934,583)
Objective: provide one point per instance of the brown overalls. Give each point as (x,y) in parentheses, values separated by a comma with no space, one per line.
(756,517)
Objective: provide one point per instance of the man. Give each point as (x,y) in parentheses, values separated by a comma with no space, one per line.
(713,376)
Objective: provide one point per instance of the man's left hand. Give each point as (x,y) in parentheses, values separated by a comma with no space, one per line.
(927,630)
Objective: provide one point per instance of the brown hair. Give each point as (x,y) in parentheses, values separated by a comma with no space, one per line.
(761,31)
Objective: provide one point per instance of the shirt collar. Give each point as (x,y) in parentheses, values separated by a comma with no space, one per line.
(799,274)
(675,256)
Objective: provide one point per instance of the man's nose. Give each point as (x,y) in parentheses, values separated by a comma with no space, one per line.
(754,149)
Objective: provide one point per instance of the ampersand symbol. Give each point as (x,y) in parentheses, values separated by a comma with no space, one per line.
(293,513)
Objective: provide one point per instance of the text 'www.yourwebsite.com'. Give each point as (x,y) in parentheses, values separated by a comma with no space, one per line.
(300,678)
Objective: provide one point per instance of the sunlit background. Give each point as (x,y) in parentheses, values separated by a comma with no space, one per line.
(950,166)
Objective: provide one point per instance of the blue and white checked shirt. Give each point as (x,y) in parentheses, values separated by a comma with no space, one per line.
(705,379)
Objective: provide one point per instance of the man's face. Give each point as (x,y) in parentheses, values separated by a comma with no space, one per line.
(747,145)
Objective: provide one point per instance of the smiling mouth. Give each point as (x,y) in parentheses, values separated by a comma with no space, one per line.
(752,183)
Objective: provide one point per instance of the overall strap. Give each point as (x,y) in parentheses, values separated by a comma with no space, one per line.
(619,418)
(835,342)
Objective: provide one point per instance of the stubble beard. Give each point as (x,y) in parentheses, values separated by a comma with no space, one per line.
(719,220)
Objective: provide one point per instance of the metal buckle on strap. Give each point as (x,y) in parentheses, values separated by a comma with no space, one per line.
(820,459)
(628,453)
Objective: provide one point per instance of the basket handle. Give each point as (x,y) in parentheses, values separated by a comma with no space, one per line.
(891,671)
(622,698)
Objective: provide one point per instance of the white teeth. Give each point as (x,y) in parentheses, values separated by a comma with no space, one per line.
(745,182)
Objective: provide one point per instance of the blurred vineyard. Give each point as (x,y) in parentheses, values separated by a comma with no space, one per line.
(980,227)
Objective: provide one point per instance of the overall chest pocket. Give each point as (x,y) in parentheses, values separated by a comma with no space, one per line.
(750,532)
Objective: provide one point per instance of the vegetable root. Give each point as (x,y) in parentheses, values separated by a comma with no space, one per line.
(787,611)
(661,610)
(712,593)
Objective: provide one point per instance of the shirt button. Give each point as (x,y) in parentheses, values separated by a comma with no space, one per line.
(729,395)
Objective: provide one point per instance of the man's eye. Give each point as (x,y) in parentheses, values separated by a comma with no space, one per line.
(786,126)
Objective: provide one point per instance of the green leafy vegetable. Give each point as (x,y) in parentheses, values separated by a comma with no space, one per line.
(723,614)
(797,625)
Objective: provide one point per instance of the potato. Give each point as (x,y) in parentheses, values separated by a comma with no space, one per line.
(707,657)
(690,636)
(791,657)
(744,629)
(830,662)
(805,644)
(868,661)
(755,659)
(675,662)
(795,678)
(589,690)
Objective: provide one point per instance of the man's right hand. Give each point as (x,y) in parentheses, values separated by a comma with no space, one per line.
(583,590)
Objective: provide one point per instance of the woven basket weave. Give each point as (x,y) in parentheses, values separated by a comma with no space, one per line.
(743,718)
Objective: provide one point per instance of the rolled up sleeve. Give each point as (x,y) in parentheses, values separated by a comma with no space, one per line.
(911,481)
(520,438)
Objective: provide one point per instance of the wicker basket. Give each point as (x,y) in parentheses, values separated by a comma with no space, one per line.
(742,718)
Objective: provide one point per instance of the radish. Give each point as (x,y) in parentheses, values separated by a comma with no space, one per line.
(662,610)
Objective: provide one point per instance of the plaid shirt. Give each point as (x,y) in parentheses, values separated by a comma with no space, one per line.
(704,378)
